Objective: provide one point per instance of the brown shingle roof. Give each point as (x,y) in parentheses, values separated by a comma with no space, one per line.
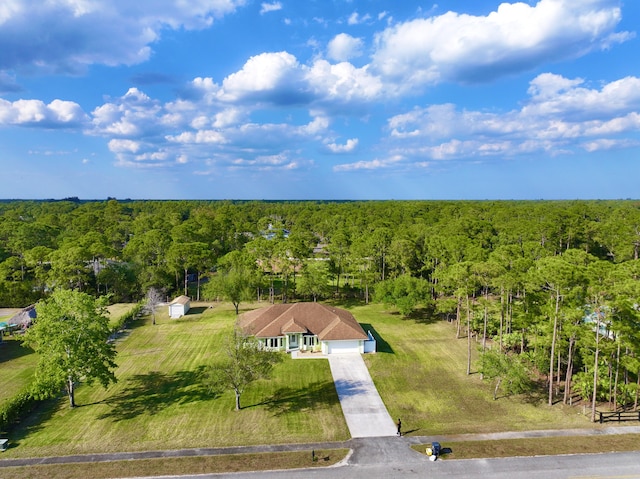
(326,322)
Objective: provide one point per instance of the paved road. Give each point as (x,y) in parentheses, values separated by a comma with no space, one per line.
(384,457)
(363,409)
(380,458)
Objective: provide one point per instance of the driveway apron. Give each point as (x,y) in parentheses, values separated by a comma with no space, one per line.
(363,409)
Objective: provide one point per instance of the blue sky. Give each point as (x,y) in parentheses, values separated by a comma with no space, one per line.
(319,99)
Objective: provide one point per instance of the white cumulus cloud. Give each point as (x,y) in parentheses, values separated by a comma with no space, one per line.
(267,72)
(561,115)
(348,147)
(344,47)
(514,38)
(36,113)
(68,35)
(343,82)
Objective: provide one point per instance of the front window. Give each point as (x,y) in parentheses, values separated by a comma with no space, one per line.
(273,343)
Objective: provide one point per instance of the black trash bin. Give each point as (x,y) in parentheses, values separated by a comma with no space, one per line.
(436,449)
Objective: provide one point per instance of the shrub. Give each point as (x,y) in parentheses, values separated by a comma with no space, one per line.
(16,408)
(124,320)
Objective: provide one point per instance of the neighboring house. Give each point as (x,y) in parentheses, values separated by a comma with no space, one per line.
(179,306)
(272,232)
(25,318)
(306,327)
(22,321)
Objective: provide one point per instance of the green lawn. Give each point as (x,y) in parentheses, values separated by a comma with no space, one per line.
(18,363)
(159,401)
(117,310)
(420,373)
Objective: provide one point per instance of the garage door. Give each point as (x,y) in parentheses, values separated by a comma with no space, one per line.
(340,347)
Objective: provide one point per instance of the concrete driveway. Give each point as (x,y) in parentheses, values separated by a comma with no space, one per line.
(363,409)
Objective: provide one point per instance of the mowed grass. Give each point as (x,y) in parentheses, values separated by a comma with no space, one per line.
(17,366)
(117,310)
(161,402)
(18,363)
(420,372)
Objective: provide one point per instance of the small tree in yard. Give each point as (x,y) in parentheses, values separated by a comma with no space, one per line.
(70,337)
(153,301)
(245,363)
(233,281)
(509,372)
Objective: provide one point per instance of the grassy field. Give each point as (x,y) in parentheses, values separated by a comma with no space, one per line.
(160,402)
(19,363)
(118,310)
(420,372)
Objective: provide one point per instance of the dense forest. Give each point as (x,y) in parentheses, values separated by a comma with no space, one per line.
(548,290)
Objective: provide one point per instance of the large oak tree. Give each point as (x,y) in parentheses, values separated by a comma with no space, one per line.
(70,336)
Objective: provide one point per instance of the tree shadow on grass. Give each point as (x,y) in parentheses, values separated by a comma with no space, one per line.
(126,331)
(536,395)
(289,400)
(13,349)
(381,345)
(423,316)
(35,421)
(152,392)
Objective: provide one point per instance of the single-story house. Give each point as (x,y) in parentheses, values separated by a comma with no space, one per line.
(179,306)
(305,327)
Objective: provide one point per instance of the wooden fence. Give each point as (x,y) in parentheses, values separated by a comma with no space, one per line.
(619,416)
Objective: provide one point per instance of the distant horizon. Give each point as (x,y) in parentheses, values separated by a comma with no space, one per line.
(282,99)
(318,200)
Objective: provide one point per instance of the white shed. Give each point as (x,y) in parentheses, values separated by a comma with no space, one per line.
(179,306)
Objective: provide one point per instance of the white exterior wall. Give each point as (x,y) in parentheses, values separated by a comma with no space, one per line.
(177,310)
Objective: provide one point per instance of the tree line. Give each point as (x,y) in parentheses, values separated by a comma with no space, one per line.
(544,288)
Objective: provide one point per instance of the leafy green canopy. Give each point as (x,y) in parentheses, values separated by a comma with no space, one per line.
(70,337)
(404,292)
(245,363)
